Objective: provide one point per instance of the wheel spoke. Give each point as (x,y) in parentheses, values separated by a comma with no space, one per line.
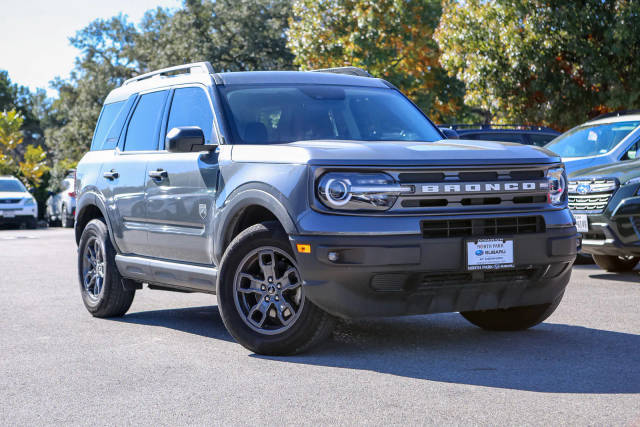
(262,307)
(268,268)
(254,284)
(285,280)
(97,287)
(282,307)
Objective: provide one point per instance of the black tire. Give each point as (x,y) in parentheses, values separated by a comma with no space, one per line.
(512,319)
(616,264)
(64,218)
(312,324)
(31,223)
(113,300)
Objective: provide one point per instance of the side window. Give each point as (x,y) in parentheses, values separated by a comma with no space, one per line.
(190,107)
(106,120)
(142,132)
(632,153)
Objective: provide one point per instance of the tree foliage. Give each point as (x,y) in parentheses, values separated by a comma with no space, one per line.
(548,62)
(234,35)
(31,165)
(391,39)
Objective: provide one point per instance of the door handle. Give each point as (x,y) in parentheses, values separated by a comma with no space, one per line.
(158,174)
(111,175)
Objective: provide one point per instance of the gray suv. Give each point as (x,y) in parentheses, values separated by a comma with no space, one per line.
(299,197)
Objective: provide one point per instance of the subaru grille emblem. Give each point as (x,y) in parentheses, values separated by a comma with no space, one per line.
(479,252)
(583,189)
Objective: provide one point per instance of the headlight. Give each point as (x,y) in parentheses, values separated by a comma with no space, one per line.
(29,201)
(358,191)
(557,186)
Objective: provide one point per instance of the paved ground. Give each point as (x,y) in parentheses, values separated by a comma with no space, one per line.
(170,360)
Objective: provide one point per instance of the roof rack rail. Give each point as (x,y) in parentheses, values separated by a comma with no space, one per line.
(195,67)
(352,71)
(483,126)
(615,114)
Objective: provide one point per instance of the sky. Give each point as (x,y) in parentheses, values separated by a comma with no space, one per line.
(34,34)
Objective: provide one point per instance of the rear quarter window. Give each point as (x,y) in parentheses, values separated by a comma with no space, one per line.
(106,121)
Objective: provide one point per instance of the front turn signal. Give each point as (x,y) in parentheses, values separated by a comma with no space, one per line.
(303,248)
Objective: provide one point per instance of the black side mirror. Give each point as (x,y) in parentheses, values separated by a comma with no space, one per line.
(450,133)
(186,139)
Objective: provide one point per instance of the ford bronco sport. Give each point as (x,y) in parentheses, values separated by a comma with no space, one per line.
(299,197)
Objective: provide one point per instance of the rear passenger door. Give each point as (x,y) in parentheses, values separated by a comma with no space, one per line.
(181,187)
(124,176)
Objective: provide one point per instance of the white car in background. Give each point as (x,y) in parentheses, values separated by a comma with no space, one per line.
(17,205)
(61,206)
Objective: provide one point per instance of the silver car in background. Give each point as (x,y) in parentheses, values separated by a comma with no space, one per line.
(606,139)
(61,206)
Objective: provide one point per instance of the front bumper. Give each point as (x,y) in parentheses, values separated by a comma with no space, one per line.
(403,274)
(13,215)
(616,231)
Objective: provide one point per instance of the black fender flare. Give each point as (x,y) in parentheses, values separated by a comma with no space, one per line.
(241,199)
(86,200)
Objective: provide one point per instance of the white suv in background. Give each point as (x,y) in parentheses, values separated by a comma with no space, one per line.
(17,205)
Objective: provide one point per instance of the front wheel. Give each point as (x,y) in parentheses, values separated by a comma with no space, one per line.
(261,297)
(101,286)
(512,319)
(616,264)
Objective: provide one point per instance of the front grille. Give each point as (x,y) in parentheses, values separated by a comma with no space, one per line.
(436,280)
(473,189)
(597,196)
(590,202)
(9,201)
(432,229)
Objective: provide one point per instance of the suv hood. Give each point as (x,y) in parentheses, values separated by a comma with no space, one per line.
(14,195)
(394,153)
(623,171)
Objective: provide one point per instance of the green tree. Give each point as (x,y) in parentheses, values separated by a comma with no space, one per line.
(549,62)
(391,39)
(232,35)
(31,165)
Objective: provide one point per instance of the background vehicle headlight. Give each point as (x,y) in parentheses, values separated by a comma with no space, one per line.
(358,191)
(29,202)
(557,186)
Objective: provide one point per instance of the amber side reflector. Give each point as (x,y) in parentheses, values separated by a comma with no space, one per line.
(303,249)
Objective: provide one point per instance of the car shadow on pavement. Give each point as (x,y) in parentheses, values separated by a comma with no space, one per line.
(204,321)
(552,358)
(633,277)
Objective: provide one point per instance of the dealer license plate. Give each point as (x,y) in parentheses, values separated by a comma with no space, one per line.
(490,254)
(582,223)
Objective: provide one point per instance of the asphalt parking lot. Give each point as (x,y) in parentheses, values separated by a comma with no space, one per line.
(170,360)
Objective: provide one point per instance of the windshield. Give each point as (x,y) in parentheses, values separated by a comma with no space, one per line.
(591,140)
(11,185)
(268,114)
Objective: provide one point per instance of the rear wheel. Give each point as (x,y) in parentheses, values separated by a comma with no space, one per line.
(261,297)
(101,285)
(512,319)
(616,264)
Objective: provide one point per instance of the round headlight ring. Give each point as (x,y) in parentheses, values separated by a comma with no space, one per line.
(337,192)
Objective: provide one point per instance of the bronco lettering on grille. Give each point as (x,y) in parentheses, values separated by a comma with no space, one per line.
(486,187)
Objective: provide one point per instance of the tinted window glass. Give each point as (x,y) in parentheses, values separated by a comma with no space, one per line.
(277,114)
(105,122)
(540,139)
(502,136)
(190,107)
(142,132)
(591,140)
(11,185)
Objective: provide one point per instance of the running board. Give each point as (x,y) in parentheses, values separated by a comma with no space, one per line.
(170,274)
